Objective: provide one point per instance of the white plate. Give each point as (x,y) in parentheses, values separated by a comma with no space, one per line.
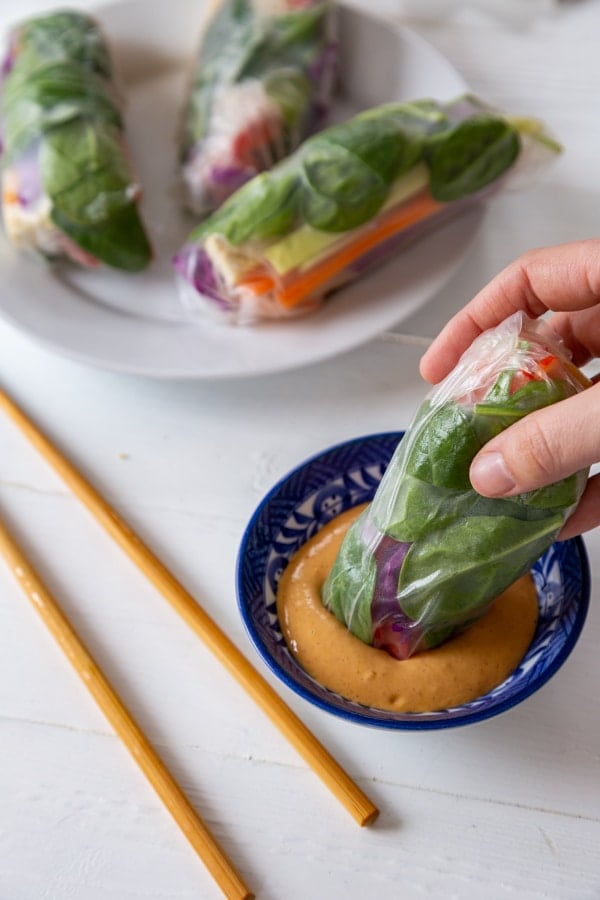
(134,323)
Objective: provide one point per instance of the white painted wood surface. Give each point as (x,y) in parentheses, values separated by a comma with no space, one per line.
(509,808)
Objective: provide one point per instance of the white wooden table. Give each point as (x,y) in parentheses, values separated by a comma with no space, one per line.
(509,808)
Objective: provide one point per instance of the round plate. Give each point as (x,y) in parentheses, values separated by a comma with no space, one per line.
(134,323)
(345,476)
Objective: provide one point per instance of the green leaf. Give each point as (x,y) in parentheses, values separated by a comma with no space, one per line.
(473,154)
(501,408)
(60,84)
(64,35)
(339,191)
(444,446)
(227,33)
(381,144)
(410,508)
(349,587)
(561,495)
(291,91)
(467,575)
(86,177)
(57,93)
(292,38)
(264,207)
(84,172)
(418,120)
(120,241)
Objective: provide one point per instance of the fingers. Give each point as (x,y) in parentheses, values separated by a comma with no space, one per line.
(543,447)
(566,277)
(587,514)
(580,331)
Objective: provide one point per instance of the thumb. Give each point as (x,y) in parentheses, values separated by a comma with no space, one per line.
(543,447)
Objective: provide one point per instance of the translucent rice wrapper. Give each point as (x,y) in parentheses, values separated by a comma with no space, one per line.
(262,81)
(349,198)
(67,187)
(429,555)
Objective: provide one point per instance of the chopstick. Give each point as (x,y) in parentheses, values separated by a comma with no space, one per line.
(214,858)
(307,745)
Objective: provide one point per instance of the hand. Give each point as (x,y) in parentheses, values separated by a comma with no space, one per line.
(557,441)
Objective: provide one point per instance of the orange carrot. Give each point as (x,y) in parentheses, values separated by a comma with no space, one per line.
(258,283)
(300,287)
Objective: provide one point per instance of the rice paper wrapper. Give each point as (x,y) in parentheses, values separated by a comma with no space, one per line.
(429,554)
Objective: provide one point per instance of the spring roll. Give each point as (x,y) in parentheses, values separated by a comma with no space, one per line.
(262,82)
(67,189)
(347,199)
(430,554)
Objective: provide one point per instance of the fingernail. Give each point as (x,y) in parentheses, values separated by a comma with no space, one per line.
(490,476)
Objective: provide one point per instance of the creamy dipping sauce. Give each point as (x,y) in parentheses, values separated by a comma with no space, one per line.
(458,671)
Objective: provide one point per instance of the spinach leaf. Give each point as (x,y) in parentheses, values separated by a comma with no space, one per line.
(287,39)
(380,143)
(84,172)
(339,191)
(418,120)
(400,506)
(562,495)
(410,509)
(500,390)
(353,575)
(119,241)
(348,170)
(291,91)
(228,31)
(85,176)
(264,207)
(64,35)
(501,408)
(465,576)
(473,154)
(61,90)
(34,103)
(444,446)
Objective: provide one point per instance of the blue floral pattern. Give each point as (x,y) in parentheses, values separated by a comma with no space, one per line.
(345,476)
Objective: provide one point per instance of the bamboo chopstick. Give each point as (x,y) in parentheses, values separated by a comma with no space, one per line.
(320,760)
(214,858)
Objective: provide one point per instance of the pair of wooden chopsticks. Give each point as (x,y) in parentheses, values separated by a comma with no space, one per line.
(216,861)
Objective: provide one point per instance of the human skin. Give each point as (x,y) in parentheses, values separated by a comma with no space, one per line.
(557,441)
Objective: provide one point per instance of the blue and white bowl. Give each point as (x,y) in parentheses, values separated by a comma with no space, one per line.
(344,476)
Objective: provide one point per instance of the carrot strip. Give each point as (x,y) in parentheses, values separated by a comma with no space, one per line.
(258,284)
(420,207)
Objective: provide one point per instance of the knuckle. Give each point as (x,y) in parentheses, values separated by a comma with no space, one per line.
(524,260)
(538,452)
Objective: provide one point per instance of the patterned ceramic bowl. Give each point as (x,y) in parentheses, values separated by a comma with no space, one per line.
(342,477)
